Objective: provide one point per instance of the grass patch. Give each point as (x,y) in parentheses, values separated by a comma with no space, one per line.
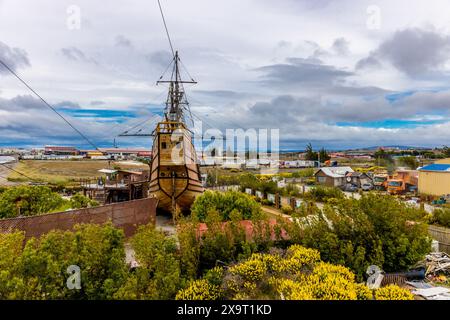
(60,172)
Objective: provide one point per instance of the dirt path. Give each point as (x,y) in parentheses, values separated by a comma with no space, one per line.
(275,212)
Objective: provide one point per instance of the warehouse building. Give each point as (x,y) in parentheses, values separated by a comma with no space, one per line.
(434,179)
(61,150)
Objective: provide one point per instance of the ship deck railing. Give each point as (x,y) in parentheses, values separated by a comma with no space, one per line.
(95,184)
(169,126)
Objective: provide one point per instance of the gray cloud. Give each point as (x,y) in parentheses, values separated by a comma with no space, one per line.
(413,51)
(14,58)
(160,58)
(97,103)
(299,71)
(25,120)
(341,46)
(319,109)
(367,91)
(21,102)
(368,63)
(122,41)
(75,54)
(301,120)
(67,104)
(310,95)
(316,4)
(223,94)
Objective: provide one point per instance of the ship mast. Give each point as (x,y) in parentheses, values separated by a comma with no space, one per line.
(176,99)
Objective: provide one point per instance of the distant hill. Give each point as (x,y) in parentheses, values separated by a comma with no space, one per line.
(395,147)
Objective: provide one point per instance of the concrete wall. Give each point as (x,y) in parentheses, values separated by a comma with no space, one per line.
(127,216)
(434,183)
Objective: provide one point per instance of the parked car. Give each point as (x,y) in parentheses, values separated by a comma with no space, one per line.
(350,188)
(367,186)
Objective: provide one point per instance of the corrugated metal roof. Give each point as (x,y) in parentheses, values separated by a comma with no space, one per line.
(436,167)
(336,172)
(107,171)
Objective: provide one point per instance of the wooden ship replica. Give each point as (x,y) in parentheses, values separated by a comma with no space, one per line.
(175,174)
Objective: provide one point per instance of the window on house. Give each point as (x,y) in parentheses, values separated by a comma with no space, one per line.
(322,179)
(163,145)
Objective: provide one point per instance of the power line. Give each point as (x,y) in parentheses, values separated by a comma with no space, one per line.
(16,171)
(48,105)
(167,30)
(136,126)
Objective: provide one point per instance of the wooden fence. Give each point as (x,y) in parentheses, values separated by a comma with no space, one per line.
(124,215)
(442,235)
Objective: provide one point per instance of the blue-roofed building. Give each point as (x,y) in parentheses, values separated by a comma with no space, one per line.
(434,179)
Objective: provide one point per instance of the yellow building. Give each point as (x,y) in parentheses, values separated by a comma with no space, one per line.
(434,179)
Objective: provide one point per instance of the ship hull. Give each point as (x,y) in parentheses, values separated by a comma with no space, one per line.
(175,175)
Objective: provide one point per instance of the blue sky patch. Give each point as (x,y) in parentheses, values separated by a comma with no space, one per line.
(391,123)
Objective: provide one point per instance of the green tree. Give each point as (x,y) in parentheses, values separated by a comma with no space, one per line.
(224,203)
(28,201)
(158,275)
(323,155)
(446,151)
(188,238)
(441,217)
(372,230)
(79,201)
(38,269)
(322,194)
(310,154)
(409,161)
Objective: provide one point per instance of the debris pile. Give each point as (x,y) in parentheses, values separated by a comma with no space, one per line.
(436,264)
(433,293)
(437,270)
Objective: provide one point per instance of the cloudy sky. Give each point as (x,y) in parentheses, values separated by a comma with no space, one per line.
(339,74)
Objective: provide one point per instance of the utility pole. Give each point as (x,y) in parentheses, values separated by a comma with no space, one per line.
(318,158)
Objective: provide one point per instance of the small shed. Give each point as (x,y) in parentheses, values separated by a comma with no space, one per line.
(332,176)
(357,178)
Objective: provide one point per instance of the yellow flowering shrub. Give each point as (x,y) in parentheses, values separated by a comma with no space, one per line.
(250,270)
(299,274)
(270,261)
(199,290)
(294,274)
(303,255)
(293,290)
(329,287)
(297,257)
(363,292)
(393,292)
(324,270)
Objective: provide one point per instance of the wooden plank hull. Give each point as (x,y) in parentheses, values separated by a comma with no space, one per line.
(175,175)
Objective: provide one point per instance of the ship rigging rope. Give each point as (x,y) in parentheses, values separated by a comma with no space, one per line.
(138,125)
(48,105)
(167,30)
